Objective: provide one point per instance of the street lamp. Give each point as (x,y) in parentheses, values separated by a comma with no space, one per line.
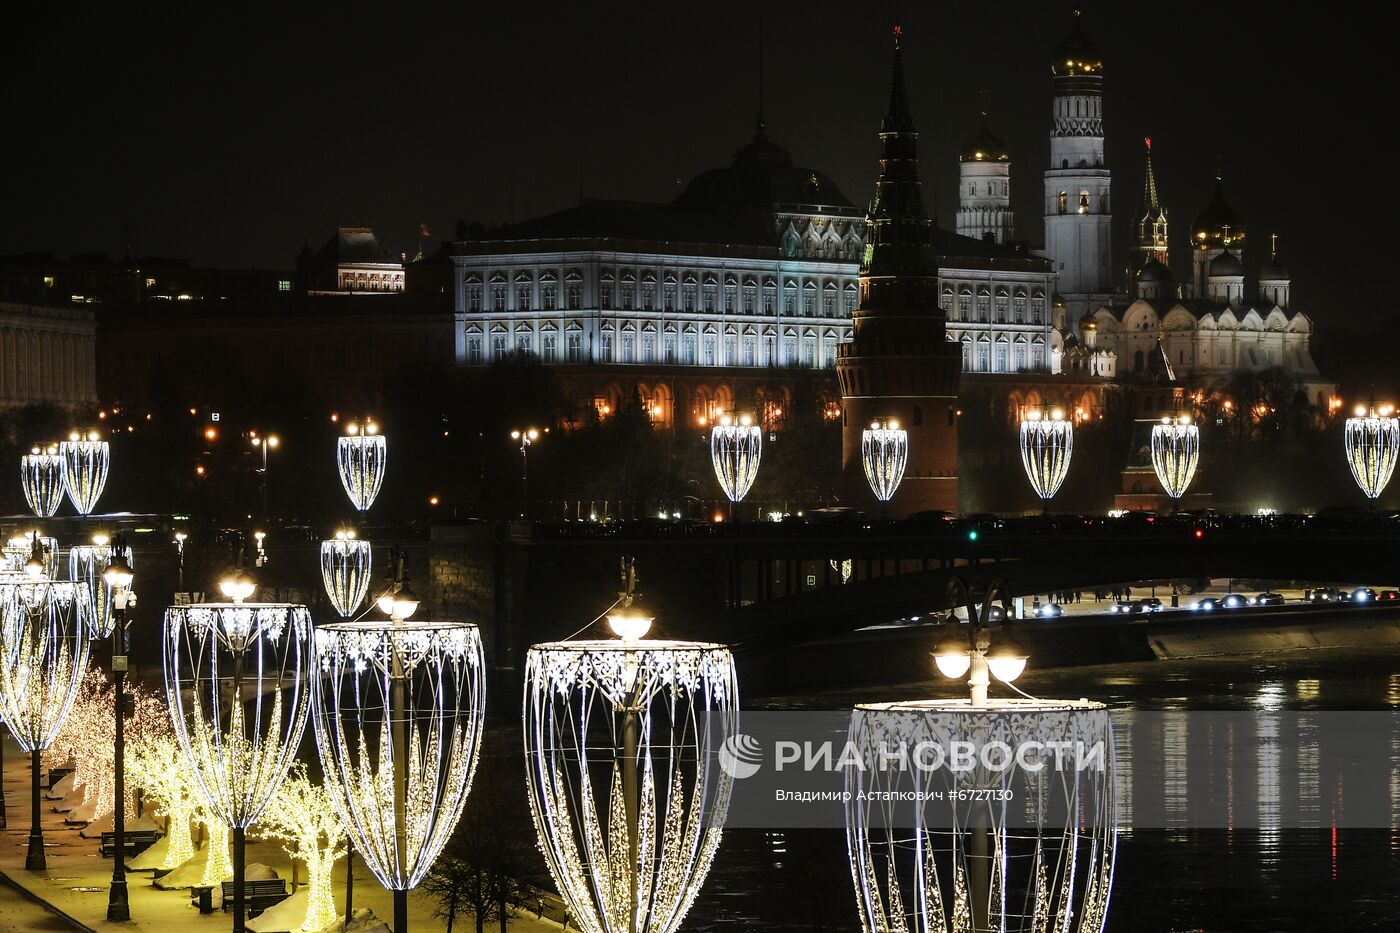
(361,456)
(264,444)
(218,658)
(736,448)
(1176,450)
(44,629)
(1047,444)
(85,463)
(117,581)
(526,437)
(622,740)
(179,541)
(884,451)
(933,844)
(41,474)
(87,562)
(346,564)
(1372,442)
(398,712)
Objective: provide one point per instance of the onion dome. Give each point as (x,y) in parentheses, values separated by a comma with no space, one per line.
(984,147)
(1218,226)
(1088,322)
(1154,273)
(1057,301)
(1226,264)
(762,174)
(1077,56)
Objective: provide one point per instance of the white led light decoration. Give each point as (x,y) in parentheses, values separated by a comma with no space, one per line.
(41,474)
(1176,450)
(736,447)
(398,708)
(44,628)
(86,563)
(85,464)
(346,564)
(361,458)
(933,848)
(18,550)
(1047,444)
(884,451)
(621,744)
(235,680)
(1372,441)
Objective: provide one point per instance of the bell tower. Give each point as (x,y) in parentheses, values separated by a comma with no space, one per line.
(899,364)
(1078,216)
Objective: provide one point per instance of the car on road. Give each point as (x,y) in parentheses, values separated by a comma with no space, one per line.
(1048,611)
(1362,594)
(1267,599)
(1387,596)
(1322,594)
(1151,604)
(1213,603)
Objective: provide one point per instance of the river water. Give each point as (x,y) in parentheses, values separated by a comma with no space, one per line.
(1167,881)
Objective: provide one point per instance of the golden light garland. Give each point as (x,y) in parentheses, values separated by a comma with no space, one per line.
(1047,444)
(303,817)
(159,767)
(1372,444)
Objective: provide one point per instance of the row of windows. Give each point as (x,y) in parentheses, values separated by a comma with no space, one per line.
(1002,356)
(809,301)
(689,350)
(991,188)
(1082,204)
(1005,301)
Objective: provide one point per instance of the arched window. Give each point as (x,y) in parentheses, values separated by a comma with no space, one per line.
(1063,199)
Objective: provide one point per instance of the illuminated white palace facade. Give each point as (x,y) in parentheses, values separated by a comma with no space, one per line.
(753,266)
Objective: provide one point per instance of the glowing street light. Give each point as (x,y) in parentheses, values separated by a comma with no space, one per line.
(263,445)
(884,452)
(41,474)
(934,848)
(116,584)
(1372,441)
(398,707)
(87,563)
(85,464)
(1047,444)
(220,660)
(361,456)
(526,437)
(1176,451)
(736,448)
(622,739)
(346,564)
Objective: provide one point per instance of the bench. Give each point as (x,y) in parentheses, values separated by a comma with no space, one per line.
(257,895)
(55,775)
(134,842)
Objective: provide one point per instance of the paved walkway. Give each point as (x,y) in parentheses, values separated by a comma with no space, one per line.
(78,879)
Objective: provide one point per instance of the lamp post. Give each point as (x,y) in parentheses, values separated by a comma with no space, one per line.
(118,577)
(736,449)
(1176,450)
(1047,444)
(180,539)
(264,444)
(217,658)
(361,457)
(884,452)
(1372,443)
(526,437)
(622,737)
(398,710)
(916,823)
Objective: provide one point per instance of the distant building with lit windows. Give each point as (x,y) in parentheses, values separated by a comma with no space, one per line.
(353,262)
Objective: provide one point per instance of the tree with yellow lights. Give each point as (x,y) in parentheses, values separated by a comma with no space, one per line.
(158,766)
(302,818)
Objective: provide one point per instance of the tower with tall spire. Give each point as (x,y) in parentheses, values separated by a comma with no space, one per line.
(1149,232)
(899,365)
(984,189)
(1078,216)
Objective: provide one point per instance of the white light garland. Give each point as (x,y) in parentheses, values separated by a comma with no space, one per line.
(235,679)
(736,447)
(1176,450)
(884,451)
(398,709)
(1372,442)
(1047,444)
(85,463)
(18,549)
(621,741)
(41,474)
(934,849)
(346,564)
(361,456)
(86,563)
(44,639)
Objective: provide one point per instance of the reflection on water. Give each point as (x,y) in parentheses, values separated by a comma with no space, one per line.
(1271,880)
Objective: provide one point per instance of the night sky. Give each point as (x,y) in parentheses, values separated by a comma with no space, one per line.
(231,141)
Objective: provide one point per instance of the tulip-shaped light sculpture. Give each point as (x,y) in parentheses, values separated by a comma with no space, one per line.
(235,678)
(736,447)
(32,554)
(361,456)
(1372,442)
(884,451)
(936,847)
(345,571)
(398,707)
(1176,450)
(41,474)
(86,563)
(1047,444)
(621,740)
(85,463)
(45,632)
